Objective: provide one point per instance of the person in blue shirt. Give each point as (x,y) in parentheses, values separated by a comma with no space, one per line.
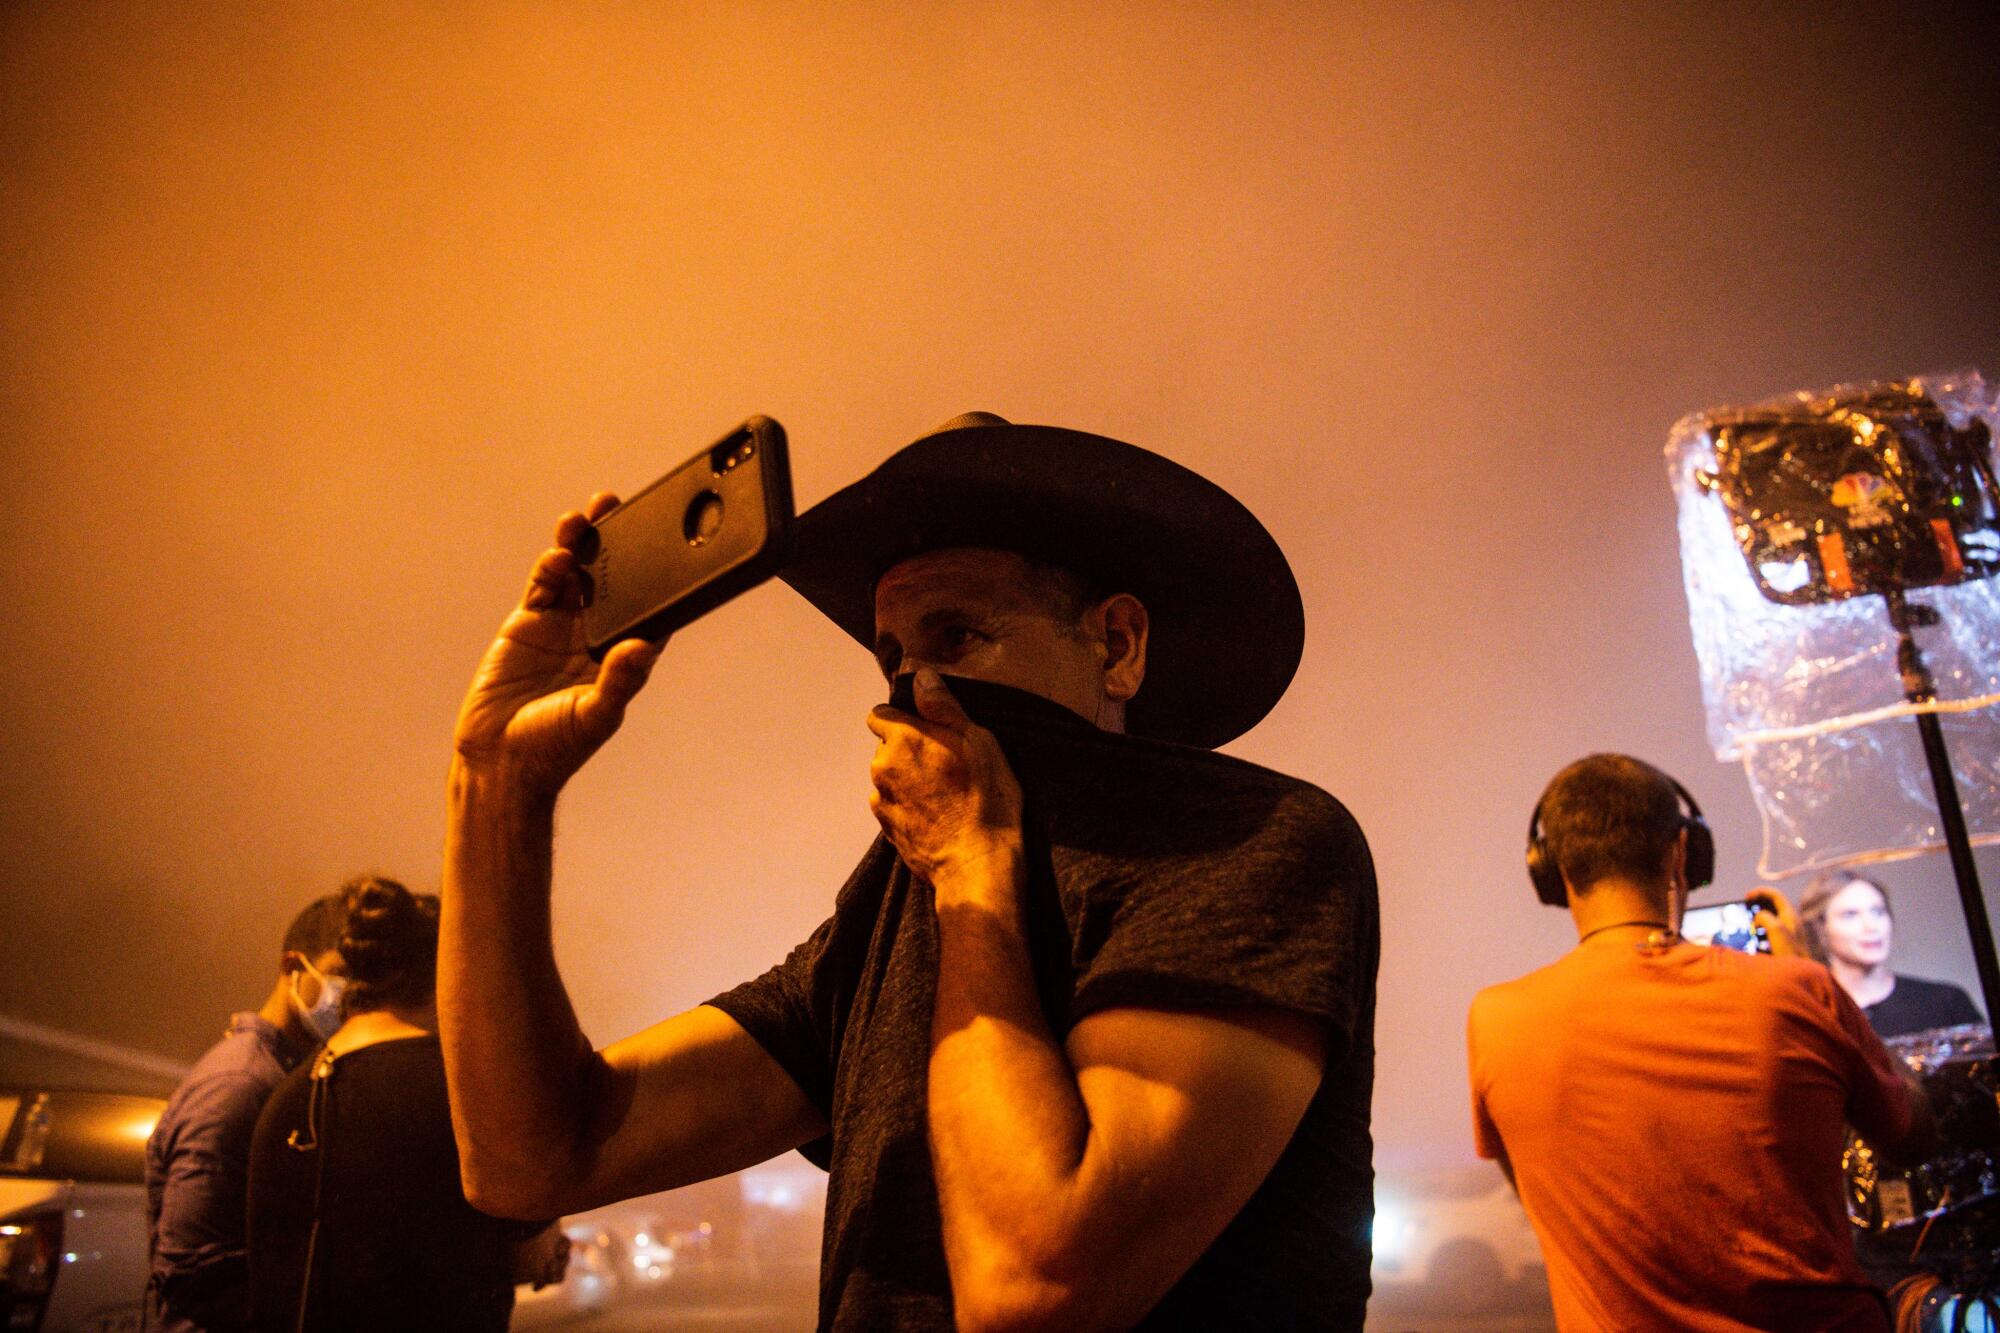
(198,1158)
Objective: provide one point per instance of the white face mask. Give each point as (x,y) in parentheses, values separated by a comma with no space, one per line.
(323,1016)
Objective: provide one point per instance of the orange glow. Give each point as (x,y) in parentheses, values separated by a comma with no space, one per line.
(313,318)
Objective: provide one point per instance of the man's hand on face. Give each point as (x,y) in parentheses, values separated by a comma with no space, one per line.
(946,797)
(538,706)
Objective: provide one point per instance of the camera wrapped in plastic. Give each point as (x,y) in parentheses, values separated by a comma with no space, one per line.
(1800,518)
(1856,492)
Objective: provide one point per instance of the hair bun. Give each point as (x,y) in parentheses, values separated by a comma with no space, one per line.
(389,930)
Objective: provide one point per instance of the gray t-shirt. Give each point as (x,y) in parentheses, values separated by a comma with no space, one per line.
(1159,876)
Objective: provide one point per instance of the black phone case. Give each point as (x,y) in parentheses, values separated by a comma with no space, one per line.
(717,525)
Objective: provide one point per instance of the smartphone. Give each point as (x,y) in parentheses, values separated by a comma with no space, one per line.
(717,525)
(1735,926)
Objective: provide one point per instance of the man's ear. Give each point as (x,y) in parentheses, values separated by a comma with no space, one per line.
(290,961)
(1677,861)
(1125,628)
(1677,879)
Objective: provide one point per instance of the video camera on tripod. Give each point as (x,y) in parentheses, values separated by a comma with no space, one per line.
(1869,491)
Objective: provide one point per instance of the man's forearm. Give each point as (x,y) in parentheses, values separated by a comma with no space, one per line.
(1008,1125)
(518,1066)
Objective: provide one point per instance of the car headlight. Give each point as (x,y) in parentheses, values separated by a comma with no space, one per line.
(1390,1235)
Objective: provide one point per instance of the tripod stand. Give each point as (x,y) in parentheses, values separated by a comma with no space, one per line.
(1919,688)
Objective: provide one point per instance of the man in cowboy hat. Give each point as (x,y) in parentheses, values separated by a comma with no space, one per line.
(1088,1039)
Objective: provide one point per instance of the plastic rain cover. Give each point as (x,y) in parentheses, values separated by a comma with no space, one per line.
(1794,515)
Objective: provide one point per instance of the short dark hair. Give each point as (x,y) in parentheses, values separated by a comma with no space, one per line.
(317,928)
(1610,815)
(1070,594)
(1819,895)
(390,945)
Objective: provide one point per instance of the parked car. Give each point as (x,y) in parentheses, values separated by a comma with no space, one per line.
(589,1283)
(73,1209)
(1455,1239)
(738,1252)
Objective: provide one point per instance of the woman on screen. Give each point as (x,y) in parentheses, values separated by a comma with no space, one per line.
(1850,927)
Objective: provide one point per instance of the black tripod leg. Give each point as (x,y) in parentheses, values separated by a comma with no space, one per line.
(1951,818)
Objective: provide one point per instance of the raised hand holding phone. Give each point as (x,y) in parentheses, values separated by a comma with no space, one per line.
(715,526)
(619,579)
(539,706)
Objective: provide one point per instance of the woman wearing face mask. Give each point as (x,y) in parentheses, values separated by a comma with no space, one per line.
(356,1216)
(1850,927)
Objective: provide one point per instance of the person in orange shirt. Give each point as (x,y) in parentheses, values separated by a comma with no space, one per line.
(1671,1114)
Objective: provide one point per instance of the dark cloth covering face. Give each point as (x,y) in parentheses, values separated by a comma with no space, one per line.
(1159,876)
(1917,1005)
(398,1247)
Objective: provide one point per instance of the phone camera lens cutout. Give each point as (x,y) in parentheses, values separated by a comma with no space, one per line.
(703,519)
(731,454)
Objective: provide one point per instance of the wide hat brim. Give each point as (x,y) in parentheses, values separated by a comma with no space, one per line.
(1227,623)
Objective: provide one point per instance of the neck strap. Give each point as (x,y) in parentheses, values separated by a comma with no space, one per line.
(1657,925)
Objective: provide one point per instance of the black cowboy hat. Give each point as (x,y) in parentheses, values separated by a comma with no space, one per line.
(1227,623)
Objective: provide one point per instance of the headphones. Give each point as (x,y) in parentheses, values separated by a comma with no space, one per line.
(1547,876)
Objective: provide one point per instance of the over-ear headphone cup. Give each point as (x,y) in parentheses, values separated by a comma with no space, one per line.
(1545,874)
(1700,854)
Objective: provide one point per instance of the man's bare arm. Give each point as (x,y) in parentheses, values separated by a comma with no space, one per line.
(546,1125)
(1076,1182)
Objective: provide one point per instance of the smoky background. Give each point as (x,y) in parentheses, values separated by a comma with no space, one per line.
(313,318)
